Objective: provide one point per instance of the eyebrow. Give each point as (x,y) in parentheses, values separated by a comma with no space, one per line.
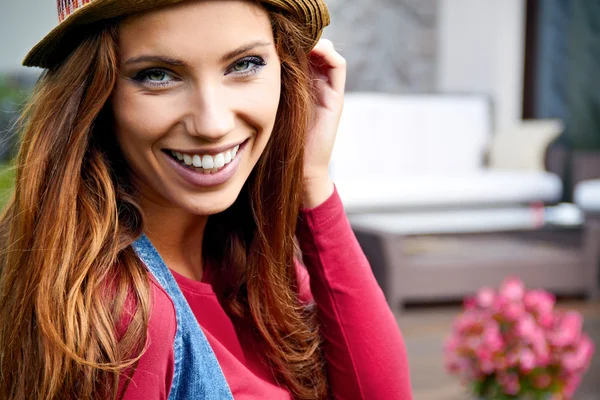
(161,59)
(177,63)
(243,49)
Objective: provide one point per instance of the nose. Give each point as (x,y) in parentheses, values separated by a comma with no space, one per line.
(211,115)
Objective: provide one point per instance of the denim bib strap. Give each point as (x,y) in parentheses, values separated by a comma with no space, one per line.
(197,374)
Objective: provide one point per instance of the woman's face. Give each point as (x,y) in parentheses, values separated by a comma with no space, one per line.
(196,101)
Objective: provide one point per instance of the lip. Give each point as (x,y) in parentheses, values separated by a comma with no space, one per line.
(202,180)
(209,151)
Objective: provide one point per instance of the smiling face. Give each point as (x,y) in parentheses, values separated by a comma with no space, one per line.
(196,101)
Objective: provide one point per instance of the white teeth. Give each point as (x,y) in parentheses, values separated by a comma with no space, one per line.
(208,162)
(197,161)
(219,160)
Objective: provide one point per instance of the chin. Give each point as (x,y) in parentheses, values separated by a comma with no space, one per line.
(210,203)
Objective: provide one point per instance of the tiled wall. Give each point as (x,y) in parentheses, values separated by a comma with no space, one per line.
(390,45)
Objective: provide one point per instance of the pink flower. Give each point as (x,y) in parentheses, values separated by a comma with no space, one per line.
(568,330)
(510,383)
(513,289)
(578,360)
(486,363)
(513,334)
(546,321)
(485,297)
(492,338)
(470,303)
(541,350)
(571,385)
(539,302)
(513,311)
(527,360)
(452,363)
(527,328)
(468,321)
(512,359)
(451,344)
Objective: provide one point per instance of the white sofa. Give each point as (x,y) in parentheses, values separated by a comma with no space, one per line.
(425,155)
(442,206)
(587,196)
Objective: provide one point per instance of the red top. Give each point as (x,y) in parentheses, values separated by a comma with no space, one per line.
(365,353)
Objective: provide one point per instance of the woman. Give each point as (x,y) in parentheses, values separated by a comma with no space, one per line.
(174,159)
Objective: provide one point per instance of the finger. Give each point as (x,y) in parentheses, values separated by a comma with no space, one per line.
(330,63)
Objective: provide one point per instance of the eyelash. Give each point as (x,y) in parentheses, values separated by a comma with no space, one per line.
(142,76)
(257,61)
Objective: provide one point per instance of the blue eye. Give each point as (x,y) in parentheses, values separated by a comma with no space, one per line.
(247,65)
(242,66)
(154,77)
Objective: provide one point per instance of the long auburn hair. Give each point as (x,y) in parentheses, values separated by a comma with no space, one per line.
(68,274)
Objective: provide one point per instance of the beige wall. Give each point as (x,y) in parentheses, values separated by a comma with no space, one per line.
(481,49)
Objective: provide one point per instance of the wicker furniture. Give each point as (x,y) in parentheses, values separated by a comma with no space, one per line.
(442,267)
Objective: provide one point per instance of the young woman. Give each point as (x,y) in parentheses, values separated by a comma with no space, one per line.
(173,231)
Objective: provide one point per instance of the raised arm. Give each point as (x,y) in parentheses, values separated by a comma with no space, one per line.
(364,349)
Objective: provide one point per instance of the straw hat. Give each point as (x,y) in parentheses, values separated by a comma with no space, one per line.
(75,15)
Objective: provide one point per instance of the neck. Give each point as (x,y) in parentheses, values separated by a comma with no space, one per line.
(177,235)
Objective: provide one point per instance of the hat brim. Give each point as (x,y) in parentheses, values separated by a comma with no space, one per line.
(56,45)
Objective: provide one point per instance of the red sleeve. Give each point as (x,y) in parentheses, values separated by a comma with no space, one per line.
(364,349)
(154,373)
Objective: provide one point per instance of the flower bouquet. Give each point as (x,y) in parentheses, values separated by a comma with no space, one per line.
(512,344)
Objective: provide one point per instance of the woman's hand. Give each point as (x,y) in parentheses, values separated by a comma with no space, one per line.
(328,69)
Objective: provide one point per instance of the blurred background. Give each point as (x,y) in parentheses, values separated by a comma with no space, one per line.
(469,151)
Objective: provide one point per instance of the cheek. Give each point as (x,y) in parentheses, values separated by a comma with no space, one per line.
(139,118)
(261,108)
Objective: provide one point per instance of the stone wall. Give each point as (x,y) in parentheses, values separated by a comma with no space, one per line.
(390,45)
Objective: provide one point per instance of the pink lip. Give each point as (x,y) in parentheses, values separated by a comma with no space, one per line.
(212,151)
(200,179)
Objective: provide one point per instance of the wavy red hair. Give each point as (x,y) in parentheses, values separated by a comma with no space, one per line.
(68,229)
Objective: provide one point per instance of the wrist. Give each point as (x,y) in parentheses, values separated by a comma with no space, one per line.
(317,189)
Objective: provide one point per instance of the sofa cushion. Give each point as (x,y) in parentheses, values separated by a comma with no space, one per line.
(386,135)
(476,220)
(587,195)
(523,146)
(425,191)
(517,218)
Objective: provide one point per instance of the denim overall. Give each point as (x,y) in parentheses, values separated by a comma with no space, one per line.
(197,374)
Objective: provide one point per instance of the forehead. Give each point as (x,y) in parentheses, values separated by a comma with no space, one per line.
(205,28)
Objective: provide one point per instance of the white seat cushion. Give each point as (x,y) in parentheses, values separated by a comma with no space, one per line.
(423,191)
(587,195)
(477,220)
(451,221)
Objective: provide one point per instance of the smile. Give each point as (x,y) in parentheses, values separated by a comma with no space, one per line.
(202,170)
(206,163)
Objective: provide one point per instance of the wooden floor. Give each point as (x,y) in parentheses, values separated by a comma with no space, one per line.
(424,329)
